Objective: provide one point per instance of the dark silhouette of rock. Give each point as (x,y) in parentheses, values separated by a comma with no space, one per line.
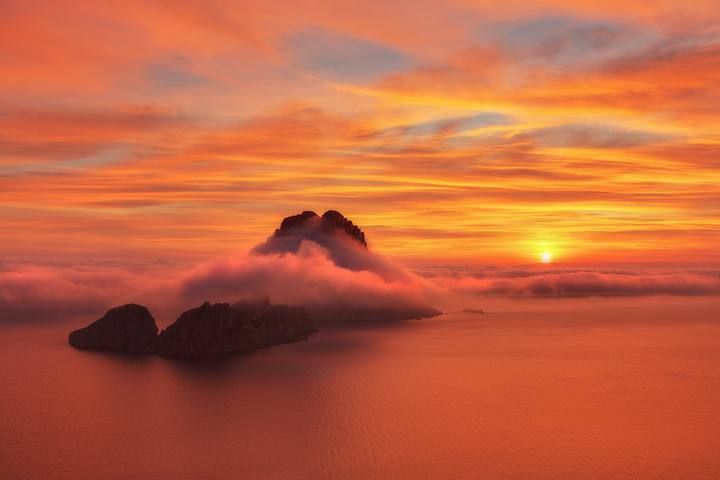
(346,246)
(309,225)
(128,328)
(344,242)
(294,221)
(205,330)
(223,328)
(333,220)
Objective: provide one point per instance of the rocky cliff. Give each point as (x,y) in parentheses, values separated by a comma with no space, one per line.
(221,328)
(205,330)
(331,222)
(332,231)
(128,328)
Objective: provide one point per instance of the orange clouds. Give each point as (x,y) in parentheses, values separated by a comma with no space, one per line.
(454,132)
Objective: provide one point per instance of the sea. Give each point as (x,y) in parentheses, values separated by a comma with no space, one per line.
(581,388)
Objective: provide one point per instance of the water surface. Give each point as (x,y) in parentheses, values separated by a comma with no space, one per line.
(547,389)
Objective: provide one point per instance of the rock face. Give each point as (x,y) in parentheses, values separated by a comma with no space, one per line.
(333,221)
(222,328)
(327,230)
(346,247)
(128,328)
(205,330)
(294,221)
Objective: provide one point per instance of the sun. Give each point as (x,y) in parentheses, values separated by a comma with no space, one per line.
(546,257)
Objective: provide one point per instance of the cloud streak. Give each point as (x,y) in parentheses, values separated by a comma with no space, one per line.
(573,283)
(311,278)
(42,293)
(31,293)
(463,131)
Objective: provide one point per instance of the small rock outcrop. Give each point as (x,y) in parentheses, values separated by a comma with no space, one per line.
(128,328)
(222,328)
(333,220)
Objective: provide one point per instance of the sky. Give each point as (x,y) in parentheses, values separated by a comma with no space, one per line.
(465,132)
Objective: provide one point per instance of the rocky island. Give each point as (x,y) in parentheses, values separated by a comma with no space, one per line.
(210,329)
(219,328)
(347,247)
(224,328)
(128,328)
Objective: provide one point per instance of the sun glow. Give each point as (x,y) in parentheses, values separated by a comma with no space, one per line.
(546,257)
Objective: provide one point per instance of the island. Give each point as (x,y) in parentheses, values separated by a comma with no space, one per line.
(221,328)
(210,329)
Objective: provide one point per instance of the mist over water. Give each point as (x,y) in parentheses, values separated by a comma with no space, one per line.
(602,388)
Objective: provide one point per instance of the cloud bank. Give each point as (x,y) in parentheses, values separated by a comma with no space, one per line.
(29,292)
(561,283)
(322,263)
(309,277)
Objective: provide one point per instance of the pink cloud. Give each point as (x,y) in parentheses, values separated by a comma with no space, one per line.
(530,282)
(308,277)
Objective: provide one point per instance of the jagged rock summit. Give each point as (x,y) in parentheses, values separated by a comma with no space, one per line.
(128,328)
(331,222)
(332,231)
(346,246)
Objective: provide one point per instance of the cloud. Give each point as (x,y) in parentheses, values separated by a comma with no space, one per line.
(333,275)
(34,293)
(46,139)
(347,251)
(341,56)
(568,65)
(403,136)
(322,263)
(559,283)
(591,136)
(309,277)
(569,42)
(173,75)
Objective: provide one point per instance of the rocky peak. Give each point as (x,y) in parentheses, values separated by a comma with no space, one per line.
(222,328)
(209,329)
(127,328)
(335,220)
(293,221)
(331,221)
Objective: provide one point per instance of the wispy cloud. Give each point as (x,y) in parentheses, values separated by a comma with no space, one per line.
(583,282)
(339,56)
(460,131)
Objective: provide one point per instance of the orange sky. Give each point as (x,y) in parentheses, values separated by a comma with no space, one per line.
(459,131)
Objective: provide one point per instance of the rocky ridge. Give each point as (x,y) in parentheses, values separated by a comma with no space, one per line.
(209,329)
(331,221)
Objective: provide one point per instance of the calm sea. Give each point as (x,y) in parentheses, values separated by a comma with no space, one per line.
(544,389)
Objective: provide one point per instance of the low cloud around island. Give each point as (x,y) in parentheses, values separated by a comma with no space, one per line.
(314,261)
(44,293)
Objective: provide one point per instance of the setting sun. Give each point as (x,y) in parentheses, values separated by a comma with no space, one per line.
(452,232)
